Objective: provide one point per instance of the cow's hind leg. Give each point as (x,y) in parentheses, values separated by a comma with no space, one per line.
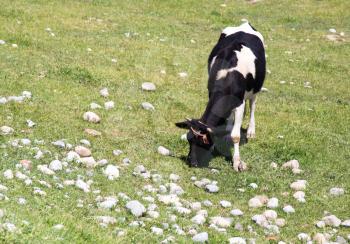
(251,127)
(238,165)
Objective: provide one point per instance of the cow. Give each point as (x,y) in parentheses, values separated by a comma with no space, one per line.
(236,70)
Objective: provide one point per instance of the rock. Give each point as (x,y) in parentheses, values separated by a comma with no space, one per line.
(299,185)
(272,203)
(55,165)
(280,222)
(163,151)
(82,151)
(82,185)
(225,204)
(117,152)
(212,188)
(332,30)
(346,223)
(304,237)
(3,100)
(153,214)
(111,171)
(91,117)
(320,239)
(271,230)
(6,130)
(341,240)
(207,203)
(106,220)
(182,210)
(92,132)
(336,191)
(156,230)
(292,164)
(260,220)
(104,92)
(332,220)
(255,203)
(273,165)
(253,185)
(8,174)
(72,156)
(196,206)
(136,208)
(88,162)
(139,169)
(147,106)
(237,240)
(183,74)
(199,219)
(299,195)
(45,170)
(9,227)
(320,224)
(236,212)
(173,177)
(108,203)
(109,105)
(223,222)
(148,86)
(297,171)
(270,214)
(200,237)
(30,123)
(288,209)
(95,106)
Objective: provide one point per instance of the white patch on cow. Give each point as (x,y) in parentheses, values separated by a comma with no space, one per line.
(245,27)
(245,64)
(212,62)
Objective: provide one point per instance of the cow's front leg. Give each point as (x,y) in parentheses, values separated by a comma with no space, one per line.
(238,165)
(251,127)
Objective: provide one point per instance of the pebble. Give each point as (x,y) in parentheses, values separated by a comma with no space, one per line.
(147,106)
(212,188)
(136,208)
(3,100)
(332,30)
(336,191)
(9,227)
(2,42)
(223,222)
(320,224)
(104,92)
(300,196)
(153,214)
(225,204)
(163,151)
(207,203)
(6,130)
(304,237)
(182,210)
(148,86)
(196,206)
(183,74)
(3,188)
(253,185)
(156,230)
(288,209)
(117,152)
(280,222)
(91,117)
(30,123)
(292,164)
(272,203)
(58,227)
(299,185)
(92,132)
(331,220)
(108,203)
(236,212)
(270,214)
(200,237)
(199,219)
(109,105)
(95,106)
(346,223)
(8,174)
(88,162)
(106,220)
(237,240)
(174,177)
(111,171)
(55,165)
(255,203)
(320,238)
(82,185)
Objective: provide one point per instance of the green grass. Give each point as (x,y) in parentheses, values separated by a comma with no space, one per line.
(65,78)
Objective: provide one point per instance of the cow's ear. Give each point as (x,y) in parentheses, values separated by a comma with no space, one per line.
(184,124)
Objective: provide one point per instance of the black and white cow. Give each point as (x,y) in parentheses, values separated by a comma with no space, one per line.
(236,69)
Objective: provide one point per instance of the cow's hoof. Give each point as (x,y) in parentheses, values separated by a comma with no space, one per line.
(250,134)
(239,165)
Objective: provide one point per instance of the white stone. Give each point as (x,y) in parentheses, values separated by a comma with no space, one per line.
(95,106)
(292,164)
(58,227)
(3,188)
(109,105)
(163,151)
(346,223)
(199,219)
(332,30)
(196,206)
(280,222)
(106,220)
(3,100)
(111,171)
(91,117)
(236,212)
(156,230)
(225,204)
(207,203)
(223,222)
(147,106)
(331,220)
(82,185)
(212,188)
(336,191)
(288,209)
(253,185)
(2,42)
(21,176)
(299,185)
(175,189)
(320,238)
(30,123)
(320,224)
(59,143)
(272,203)
(148,86)
(260,220)
(8,174)
(183,210)
(168,199)
(117,152)
(9,227)
(38,191)
(183,74)
(237,240)
(6,130)
(270,214)
(88,162)
(174,177)
(55,165)
(271,230)
(200,237)
(304,237)
(136,208)
(104,92)
(153,214)
(108,203)
(255,203)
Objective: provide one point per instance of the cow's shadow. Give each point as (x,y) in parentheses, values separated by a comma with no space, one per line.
(223,148)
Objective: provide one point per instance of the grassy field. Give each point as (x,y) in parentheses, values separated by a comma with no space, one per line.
(146,37)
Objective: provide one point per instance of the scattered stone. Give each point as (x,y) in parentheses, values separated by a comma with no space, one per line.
(107,220)
(200,237)
(199,219)
(163,151)
(270,214)
(207,203)
(237,240)
(280,222)
(212,188)
(319,238)
(332,220)
(299,185)
(223,222)
(153,214)
(58,227)
(111,172)
(173,177)
(260,220)
(88,162)
(45,170)
(255,203)
(136,208)
(288,209)
(109,105)
(148,86)
(321,224)
(92,132)
(147,106)
(182,210)
(253,185)
(346,223)
(82,185)
(30,123)
(225,204)
(95,106)
(236,212)
(6,130)
(156,230)
(104,92)
(8,174)
(183,74)
(108,203)
(117,152)
(55,165)
(91,117)
(196,206)
(272,203)
(300,196)
(292,164)
(336,191)
(9,227)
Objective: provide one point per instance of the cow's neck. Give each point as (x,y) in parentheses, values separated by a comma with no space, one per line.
(211,116)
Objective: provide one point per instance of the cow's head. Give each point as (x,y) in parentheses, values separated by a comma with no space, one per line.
(200,139)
